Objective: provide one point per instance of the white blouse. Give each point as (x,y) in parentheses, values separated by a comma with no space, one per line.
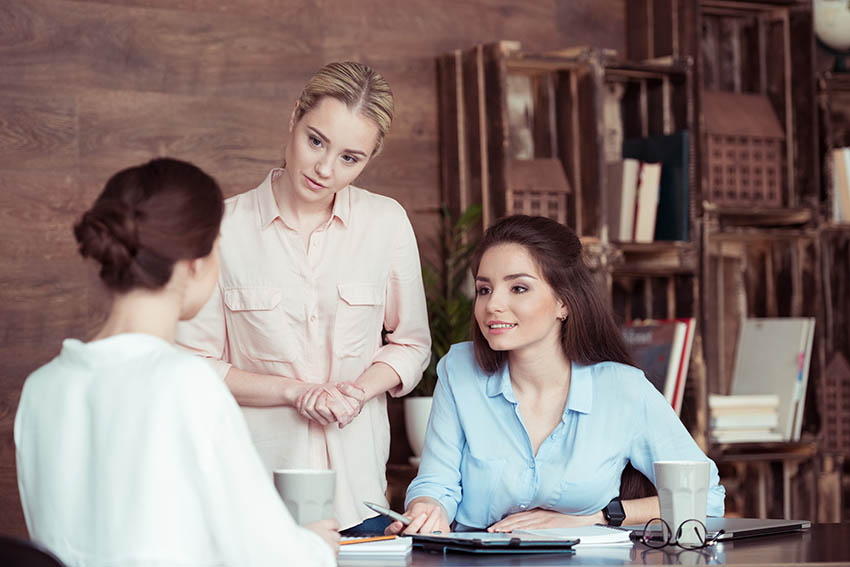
(130,452)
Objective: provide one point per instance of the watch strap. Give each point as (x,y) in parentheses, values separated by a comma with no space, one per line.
(614,512)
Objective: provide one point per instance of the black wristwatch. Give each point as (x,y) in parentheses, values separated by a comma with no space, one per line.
(614,513)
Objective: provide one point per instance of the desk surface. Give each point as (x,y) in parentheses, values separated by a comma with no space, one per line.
(822,545)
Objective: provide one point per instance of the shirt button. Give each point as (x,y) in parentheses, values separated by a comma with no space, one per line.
(531,464)
(312,318)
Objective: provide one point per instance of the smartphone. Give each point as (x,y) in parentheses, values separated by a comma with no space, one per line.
(387,512)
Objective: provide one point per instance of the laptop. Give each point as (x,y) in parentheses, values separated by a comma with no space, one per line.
(738,528)
(487,542)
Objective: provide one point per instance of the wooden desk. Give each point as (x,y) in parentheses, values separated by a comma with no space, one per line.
(823,545)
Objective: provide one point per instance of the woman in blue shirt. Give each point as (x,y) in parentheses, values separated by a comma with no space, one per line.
(534,421)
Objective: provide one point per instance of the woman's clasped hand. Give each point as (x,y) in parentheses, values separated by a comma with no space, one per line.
(325,404)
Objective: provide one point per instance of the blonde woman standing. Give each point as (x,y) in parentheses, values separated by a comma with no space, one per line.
(319,309)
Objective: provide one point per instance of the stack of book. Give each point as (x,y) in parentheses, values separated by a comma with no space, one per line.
(744,418)
(841,185)
(773,357)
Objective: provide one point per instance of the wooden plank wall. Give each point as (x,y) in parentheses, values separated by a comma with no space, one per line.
(89,87)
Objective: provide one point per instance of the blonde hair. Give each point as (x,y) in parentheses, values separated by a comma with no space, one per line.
(359,87)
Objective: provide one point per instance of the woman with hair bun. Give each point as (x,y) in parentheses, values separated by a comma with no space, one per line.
(547,374)
(320,309)
(128,450)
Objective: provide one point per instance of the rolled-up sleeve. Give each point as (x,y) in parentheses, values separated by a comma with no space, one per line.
(664,438)
(439,472)
(408,347)
(206,334)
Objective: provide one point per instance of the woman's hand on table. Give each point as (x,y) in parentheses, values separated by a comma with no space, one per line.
(328,530)
(539,519)
(426,515)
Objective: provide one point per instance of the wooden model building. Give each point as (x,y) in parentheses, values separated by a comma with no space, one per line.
(745,148)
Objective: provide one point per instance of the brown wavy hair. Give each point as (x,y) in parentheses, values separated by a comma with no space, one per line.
(146,219)
(589,333)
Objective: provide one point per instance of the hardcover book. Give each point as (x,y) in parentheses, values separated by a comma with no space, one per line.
(662,349)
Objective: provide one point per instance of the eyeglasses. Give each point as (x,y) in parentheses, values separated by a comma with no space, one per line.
(691,534)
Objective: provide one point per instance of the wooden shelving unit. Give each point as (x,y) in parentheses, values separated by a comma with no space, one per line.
(766,261)
(834,388)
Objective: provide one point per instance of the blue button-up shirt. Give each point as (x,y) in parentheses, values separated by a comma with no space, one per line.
(478,461)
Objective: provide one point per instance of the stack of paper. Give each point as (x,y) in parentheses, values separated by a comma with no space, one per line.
(354,550)
(588,536)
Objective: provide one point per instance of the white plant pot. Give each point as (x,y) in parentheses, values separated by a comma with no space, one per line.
(416,412)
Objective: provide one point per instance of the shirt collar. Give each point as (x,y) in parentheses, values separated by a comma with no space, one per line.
(265,199)
(269,210)
(500,383)
(581,387)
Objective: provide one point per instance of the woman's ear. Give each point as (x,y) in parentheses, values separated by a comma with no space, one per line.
(195,267)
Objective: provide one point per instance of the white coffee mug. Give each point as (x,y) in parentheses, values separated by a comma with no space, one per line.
(683,495)
(307,493)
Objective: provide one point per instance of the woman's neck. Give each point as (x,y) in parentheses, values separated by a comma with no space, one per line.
(535,371)
(142,311)
(304,216)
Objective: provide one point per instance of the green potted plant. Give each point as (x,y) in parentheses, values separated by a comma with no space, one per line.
(449,297)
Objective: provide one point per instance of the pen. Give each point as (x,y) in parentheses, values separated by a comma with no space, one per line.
(387,512)
(365,539)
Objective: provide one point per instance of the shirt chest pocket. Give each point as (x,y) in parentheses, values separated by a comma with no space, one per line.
(359,319)
(260,325)
(485,490)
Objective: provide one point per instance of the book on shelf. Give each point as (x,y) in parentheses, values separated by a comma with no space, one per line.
(671,151)
(632,200)
(841,185)
(743,403)
(773,357)
(622,190)
(646,207)
(746,436)
(662,349)
(744,421)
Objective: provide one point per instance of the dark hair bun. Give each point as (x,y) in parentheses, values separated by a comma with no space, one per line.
(107,234)
(147,218)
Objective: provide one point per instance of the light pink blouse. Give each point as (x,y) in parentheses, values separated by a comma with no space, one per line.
(316,315)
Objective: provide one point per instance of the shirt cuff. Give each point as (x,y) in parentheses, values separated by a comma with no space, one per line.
(445,501)
(407,363)
(716,507)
